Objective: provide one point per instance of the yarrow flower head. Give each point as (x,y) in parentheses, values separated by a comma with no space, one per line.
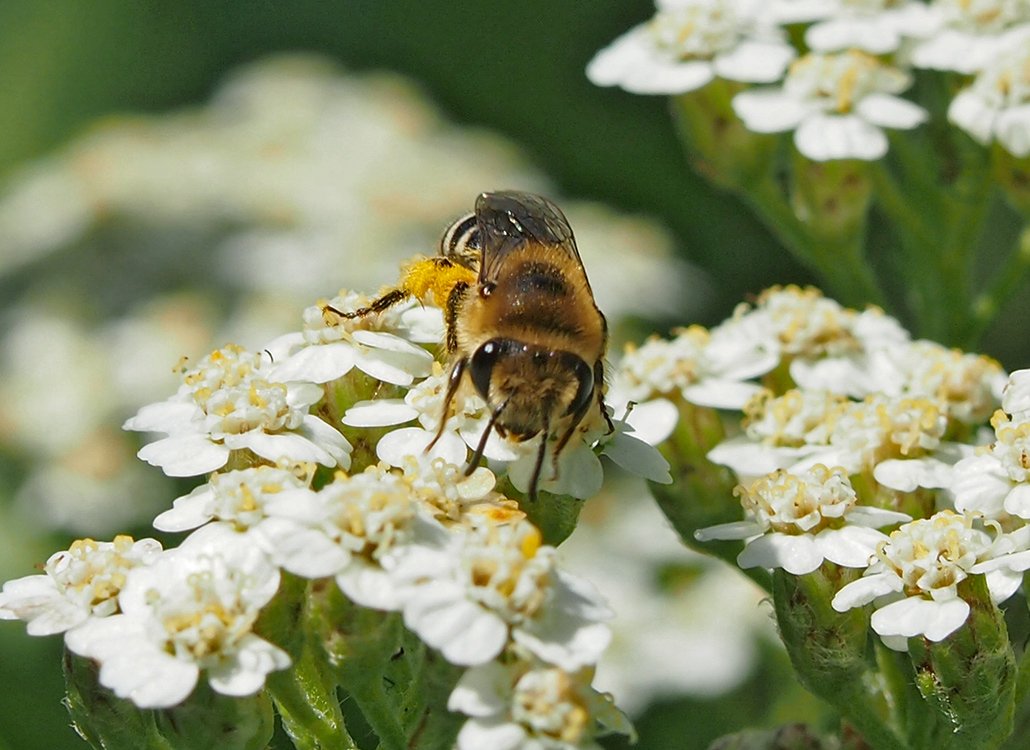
(796,521)
(707,368)
(497,584)
(191,610)
(994,482)
(689,43)
(836,104)
(382,345)
(996,106)
(228,403)
(79,583)
(237,497)
(533,706)
(914,579)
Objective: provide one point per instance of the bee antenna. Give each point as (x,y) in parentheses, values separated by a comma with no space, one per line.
(481,446)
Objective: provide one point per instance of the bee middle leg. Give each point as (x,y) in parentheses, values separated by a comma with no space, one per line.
(383,302)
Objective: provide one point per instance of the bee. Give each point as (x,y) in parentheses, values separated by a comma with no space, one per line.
(521,321)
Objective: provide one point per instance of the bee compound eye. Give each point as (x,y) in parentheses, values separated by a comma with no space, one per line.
(482,365)
(585,384)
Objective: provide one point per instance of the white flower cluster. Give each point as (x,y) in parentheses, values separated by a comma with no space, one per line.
(852,427)
(406,530)
(840,95)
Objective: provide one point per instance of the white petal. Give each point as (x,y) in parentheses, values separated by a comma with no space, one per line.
(1017,502)
(328,438)
(754,61)
(185,455)
(732,530)
(889,111)
(980,484)
(481,691)
(632,62)
(379,413)
(875,518)
(398,368)
(1013,129)
(908,474)
(971,113)
(478,734)
(371,586)
(304,551)
(638,457)
(795,554)
(917,616)
(243,673)
(720,394)
(769,110)
(653,421)
(750,458)
(188,511)
(463,631)
(164,416)
(320,363)
(851,546)
(398,445)
(276,446)
(826,137)
(866,589)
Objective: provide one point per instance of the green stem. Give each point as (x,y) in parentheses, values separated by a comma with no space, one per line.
(380,713)
(310,711)
(1006,282)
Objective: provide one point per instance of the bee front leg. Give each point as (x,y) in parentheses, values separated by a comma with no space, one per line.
(599,386)
(384,302)
(454,302)
(453,381)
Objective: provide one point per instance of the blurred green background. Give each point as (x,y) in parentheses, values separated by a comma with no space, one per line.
(516,68)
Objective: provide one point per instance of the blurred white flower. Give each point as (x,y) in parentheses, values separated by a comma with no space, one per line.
(996,106)
(964,36)
(878,27)
(836,104)
(688,43)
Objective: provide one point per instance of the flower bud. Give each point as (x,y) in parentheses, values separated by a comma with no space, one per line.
(970,676)
(716,141)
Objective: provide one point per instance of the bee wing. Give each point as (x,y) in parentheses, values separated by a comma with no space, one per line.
(509,219)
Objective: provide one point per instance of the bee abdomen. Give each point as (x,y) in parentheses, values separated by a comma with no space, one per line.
(541,278)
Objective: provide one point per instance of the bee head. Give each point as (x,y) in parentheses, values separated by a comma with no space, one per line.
(531,385)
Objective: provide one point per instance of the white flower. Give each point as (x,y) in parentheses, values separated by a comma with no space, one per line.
(996,107)
(82,582)
(914,581)
(1016,395)
(378,344)
(191,610)
(358,528)
(228,403)
(836,104)
(707,368)
(522,706)
(995,482)
(689,43)
(799,520)
(779,431)
(875,26)
(498,583)
(238,497)
(965,35)
(827,346)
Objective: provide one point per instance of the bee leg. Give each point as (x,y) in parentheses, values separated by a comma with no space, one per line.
(577,417)
(377,305)
(477,456)
(539,465)
(598,380)
(454,300)
(452,387)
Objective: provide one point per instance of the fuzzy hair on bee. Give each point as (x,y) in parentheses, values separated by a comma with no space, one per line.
(522,325)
